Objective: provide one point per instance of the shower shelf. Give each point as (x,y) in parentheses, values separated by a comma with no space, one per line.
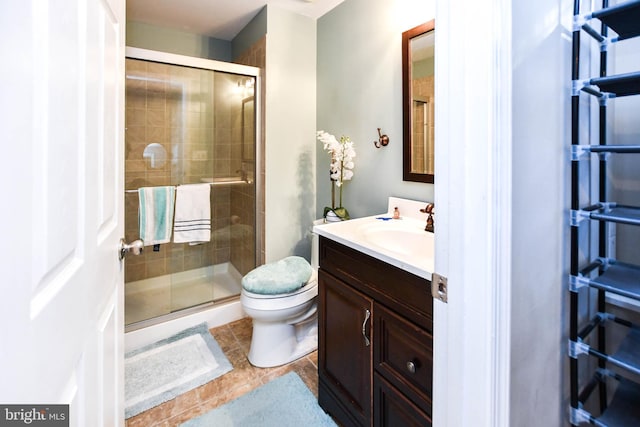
(623,409)
(622,18)
(610,212)
(618,277)
(619,85)
(626,357)
(628,353)
(578,150)
(604,277)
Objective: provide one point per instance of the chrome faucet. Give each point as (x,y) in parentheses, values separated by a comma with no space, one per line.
(429,209)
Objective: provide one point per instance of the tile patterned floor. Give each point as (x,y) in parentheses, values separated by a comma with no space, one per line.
(234,339)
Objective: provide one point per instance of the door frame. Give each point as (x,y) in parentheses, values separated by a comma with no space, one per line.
(473,200)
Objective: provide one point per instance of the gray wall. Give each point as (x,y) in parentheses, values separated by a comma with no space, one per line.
(250,34)
(541,88)
(360,90)
(290,158)
(146,36)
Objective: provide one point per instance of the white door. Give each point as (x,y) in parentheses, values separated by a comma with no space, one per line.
(61,115)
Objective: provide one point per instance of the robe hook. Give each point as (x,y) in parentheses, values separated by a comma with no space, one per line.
(383,140)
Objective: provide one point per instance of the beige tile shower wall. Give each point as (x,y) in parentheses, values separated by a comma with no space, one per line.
(243,245)
(424,87)
(239,231)
(172,106)
(243,254)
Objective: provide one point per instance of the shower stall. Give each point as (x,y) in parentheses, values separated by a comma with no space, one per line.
(188,121)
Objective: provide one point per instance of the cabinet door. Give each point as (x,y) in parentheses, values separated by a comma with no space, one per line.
(344,357)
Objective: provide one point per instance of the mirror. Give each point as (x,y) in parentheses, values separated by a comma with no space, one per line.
(418,95)
(155,154)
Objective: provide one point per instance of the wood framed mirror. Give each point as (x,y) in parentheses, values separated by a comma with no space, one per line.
(418,102)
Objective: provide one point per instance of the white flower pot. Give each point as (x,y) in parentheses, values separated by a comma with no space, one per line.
(332,217)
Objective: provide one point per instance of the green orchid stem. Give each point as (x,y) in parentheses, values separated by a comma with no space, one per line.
(333,194)
(341,181)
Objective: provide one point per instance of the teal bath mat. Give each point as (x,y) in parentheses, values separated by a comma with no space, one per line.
(283,402)
(161,371)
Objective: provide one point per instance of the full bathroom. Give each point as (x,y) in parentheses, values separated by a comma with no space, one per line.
(208,122)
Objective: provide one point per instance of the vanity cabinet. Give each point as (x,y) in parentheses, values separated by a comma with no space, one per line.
(375,344)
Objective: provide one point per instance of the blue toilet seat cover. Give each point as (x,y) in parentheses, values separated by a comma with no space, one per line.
(280,277)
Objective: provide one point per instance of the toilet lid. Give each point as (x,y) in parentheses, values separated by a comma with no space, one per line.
(312,283)
(281,277)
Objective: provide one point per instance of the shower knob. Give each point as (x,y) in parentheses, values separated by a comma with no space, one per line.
(134,247)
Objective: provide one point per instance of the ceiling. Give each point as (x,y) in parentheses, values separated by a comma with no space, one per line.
(221,19)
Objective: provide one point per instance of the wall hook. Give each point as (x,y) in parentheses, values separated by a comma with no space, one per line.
(383,140)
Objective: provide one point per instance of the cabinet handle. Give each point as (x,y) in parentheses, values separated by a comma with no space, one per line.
(367,315)
(411,367)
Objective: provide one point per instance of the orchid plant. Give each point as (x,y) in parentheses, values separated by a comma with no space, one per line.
(340,169)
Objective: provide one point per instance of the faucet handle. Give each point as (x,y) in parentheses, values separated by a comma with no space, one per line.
(428,209)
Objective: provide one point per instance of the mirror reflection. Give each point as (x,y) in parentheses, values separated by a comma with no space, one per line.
(419,102)
(156,155)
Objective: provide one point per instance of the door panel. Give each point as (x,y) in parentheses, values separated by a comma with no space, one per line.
(62,310)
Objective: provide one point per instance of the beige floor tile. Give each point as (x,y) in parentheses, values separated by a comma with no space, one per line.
(235,340)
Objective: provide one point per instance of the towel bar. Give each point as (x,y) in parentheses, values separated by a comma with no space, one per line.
(221,182)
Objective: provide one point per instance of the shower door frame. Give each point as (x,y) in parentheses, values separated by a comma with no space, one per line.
(231,68)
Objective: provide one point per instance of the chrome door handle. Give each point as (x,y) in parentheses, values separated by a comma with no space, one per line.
(367,315)
(136,247)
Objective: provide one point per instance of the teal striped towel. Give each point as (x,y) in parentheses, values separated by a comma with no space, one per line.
(155,214)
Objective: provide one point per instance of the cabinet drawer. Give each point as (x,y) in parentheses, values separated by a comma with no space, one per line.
(392,409)
(403,355)
(399,290)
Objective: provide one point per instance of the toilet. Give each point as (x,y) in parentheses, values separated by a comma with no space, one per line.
(285,322)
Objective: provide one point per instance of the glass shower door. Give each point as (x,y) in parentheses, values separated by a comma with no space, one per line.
(186,125)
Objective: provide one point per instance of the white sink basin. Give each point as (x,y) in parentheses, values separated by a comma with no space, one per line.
(403,242)
(400,237)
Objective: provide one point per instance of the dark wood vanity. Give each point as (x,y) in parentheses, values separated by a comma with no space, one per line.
(375,357)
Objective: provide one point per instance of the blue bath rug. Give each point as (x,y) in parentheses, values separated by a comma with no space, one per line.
(158,372)
(283,402)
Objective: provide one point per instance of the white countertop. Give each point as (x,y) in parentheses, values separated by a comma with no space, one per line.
(402,243)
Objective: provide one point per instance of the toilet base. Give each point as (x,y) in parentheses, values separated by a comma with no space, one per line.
(275,344)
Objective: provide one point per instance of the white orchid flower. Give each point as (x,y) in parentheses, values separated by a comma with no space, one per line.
(342,153)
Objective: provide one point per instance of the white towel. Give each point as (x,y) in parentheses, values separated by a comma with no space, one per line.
(193,214)
(155,214)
